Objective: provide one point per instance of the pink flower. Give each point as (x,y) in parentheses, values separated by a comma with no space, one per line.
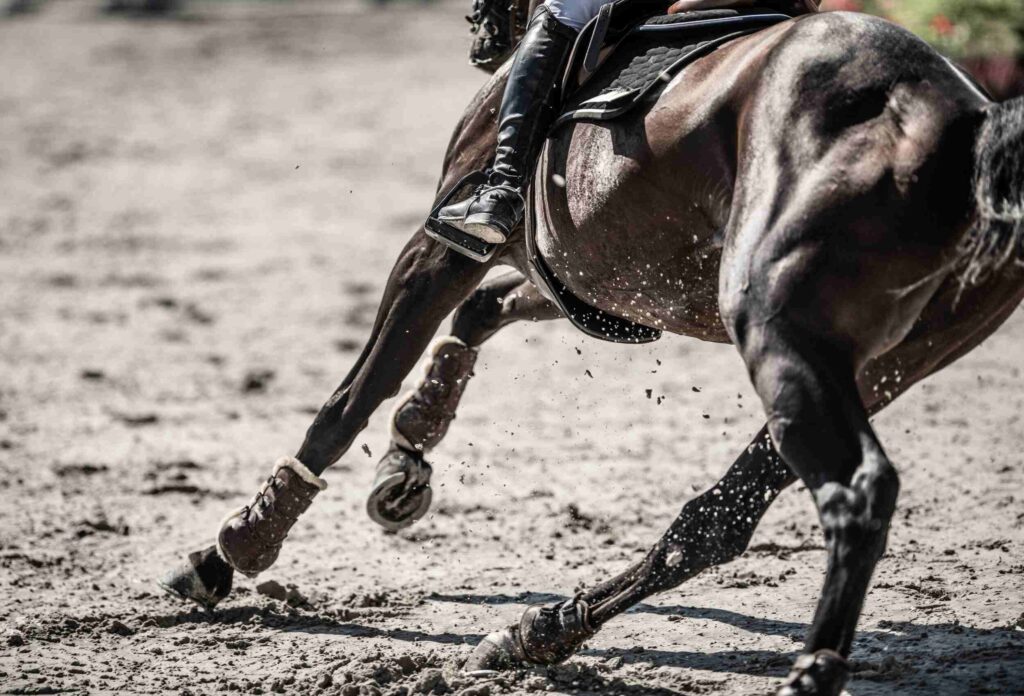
(845,5)
(942,25)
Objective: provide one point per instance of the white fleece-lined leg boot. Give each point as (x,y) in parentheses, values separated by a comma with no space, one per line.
(250,538)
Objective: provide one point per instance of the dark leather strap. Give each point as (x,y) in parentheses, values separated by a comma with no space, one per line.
(573,614)
(604,19)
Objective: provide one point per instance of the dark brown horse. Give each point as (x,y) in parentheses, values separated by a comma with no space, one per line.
(828,195)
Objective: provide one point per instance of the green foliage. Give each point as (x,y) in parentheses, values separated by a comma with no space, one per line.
(959,28)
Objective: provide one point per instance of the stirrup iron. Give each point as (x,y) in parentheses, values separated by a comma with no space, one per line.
(451,236)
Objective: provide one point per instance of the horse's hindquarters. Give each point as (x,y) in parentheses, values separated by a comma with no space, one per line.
(851,220)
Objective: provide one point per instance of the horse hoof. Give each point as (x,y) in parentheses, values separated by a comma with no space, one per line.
(823,673)
(205,578)
(552,634)
(496,652)
(401,491)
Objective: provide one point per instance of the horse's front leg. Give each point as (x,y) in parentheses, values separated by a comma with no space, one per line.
(426,283)
(401,492)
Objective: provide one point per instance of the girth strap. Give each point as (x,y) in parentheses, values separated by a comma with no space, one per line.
(597,35)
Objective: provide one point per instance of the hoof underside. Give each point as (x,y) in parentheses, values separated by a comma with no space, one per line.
(401,493)
(204,578)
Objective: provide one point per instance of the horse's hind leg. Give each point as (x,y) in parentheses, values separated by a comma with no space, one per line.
(821,429)
(401,492)
(808,304)
(713,528)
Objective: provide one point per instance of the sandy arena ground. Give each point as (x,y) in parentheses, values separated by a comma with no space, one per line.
(196,221)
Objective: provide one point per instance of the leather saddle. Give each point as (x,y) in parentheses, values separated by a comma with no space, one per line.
(626,56)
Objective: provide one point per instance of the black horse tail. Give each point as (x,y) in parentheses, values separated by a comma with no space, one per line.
(998,234)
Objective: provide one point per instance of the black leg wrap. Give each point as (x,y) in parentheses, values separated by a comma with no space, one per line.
(543,636)
(550,635)
(823,673)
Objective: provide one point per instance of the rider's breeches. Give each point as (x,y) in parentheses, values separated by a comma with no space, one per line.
(574,13)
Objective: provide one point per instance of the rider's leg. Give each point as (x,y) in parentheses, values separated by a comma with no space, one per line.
(496,209)
(575,13)
(401,492)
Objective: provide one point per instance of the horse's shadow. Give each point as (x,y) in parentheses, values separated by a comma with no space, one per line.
(309,623)
(916,656)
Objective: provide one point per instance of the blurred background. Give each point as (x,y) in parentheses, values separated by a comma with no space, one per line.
(986,36)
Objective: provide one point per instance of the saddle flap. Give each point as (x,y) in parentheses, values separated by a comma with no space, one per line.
(584,316)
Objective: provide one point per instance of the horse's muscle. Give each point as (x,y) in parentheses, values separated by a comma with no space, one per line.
(649,201)
(646,198)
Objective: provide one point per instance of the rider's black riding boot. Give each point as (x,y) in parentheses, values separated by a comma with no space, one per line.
(496,208)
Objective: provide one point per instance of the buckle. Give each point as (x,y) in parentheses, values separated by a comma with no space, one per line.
(574,615)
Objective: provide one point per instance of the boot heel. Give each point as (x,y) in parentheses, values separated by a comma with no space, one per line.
(483,226)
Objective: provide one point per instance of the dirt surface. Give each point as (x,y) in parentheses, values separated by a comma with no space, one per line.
(196,220)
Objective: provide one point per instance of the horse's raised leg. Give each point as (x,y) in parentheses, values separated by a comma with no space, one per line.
(401,492)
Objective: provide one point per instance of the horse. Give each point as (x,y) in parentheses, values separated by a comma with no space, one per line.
(829,195)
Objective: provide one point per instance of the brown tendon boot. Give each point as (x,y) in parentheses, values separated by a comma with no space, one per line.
(421,419)
(250,538)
